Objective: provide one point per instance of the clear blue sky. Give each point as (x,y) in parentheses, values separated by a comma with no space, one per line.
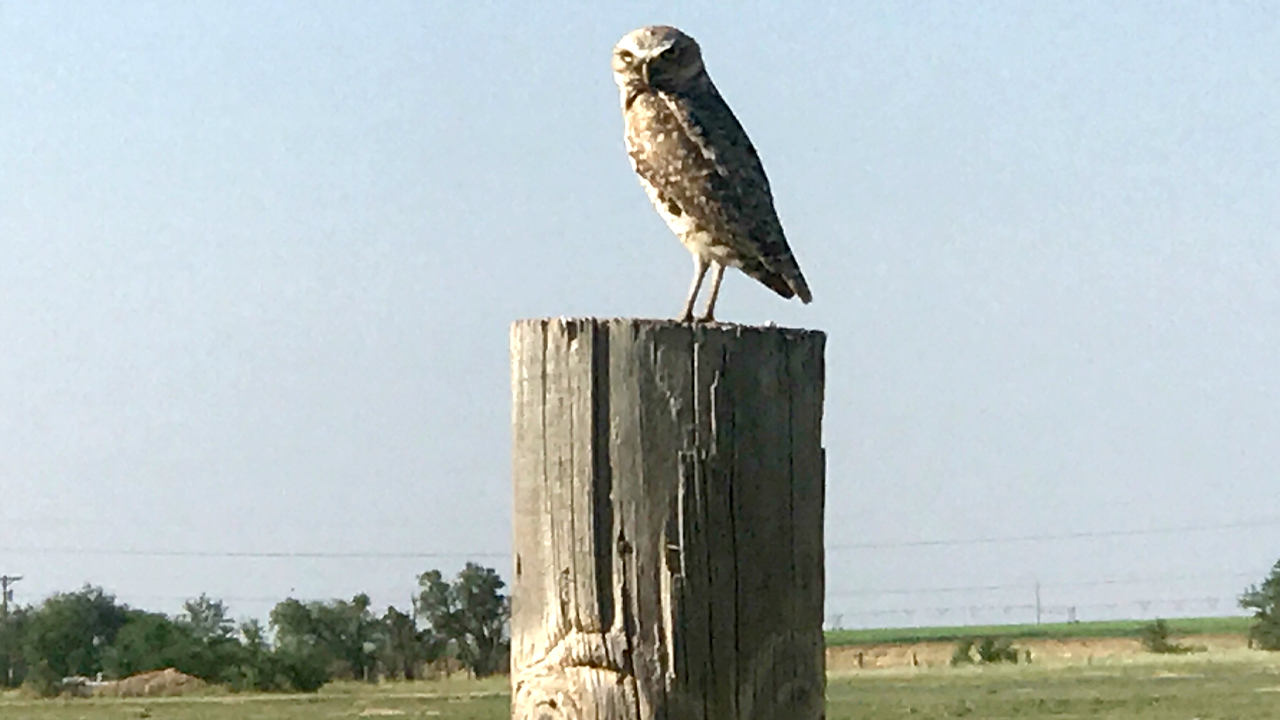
(258,262)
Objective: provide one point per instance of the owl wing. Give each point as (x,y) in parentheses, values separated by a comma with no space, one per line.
(726,190)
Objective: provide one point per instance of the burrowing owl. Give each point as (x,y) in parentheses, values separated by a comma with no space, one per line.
(698,166)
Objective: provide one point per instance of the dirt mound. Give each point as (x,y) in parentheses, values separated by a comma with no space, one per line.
(157,683)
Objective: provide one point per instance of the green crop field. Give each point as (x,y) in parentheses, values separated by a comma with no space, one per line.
(1112,629)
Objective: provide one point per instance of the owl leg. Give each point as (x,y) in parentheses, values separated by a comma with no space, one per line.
(716,276)
(699,271)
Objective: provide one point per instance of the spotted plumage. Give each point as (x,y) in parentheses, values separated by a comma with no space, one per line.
(698,166)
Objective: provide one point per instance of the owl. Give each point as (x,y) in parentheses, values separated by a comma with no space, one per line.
(698,166)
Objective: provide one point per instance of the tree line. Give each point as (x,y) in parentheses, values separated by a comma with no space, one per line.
(459,623)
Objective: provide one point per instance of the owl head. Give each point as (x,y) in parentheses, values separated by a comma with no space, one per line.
(657,57)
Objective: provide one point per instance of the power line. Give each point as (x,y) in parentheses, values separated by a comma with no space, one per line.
(305,555)
(921,591)
(1263,522)
(227,598)
(942,611)
(835,547)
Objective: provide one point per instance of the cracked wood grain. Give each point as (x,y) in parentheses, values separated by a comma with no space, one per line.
(668,488)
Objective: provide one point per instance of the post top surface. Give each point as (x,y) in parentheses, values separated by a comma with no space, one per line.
(660,323)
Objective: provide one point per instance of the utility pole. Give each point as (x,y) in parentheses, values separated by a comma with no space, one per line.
(1037,601)
(5,596)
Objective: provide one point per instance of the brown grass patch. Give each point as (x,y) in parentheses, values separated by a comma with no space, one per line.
(1063,651)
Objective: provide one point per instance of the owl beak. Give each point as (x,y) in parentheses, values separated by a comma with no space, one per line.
(644,73)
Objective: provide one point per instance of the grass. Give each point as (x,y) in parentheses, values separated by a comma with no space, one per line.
(1216,685)
(1244,685)
(444,700)
(1111,629)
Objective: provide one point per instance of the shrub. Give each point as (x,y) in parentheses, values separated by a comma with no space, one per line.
(987,650)
(997,650)
(43,679)
(1155,637)
(301,669)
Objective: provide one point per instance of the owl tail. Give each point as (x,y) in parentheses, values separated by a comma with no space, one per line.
(798,284)
(788,286)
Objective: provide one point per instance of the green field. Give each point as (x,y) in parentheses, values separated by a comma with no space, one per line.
(1239,686)
(1111,629)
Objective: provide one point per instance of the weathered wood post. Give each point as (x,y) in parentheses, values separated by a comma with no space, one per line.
(668,521)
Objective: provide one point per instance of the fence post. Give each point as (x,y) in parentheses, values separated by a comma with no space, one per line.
(668,498)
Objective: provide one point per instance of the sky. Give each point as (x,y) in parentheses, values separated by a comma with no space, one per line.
(258,262)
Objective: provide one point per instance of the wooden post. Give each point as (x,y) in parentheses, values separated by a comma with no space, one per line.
(668,521)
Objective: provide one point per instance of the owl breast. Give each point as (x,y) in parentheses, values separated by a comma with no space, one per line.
(679,175)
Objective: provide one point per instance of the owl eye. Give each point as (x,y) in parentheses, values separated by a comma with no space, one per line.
(626,56)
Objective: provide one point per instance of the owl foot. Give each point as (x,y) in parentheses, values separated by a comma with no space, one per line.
(689,319)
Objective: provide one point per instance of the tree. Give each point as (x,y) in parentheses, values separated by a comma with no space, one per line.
(352,634)
(299,657)
(207,619)
(343,636)
(254,637)
(298,668)
(200,641)
(221,656)
(407,645)
(152,641)
(1264,601)
(472,612)
(70,631)
(254,669)
(260,667)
